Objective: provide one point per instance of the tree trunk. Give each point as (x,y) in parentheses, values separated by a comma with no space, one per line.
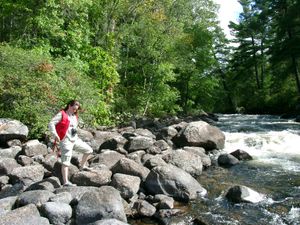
(255,63)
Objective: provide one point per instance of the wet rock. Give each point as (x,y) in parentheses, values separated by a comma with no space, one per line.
(164,201)
(227,160)
(239,194)
(143,208)
(241,155)
(173,181)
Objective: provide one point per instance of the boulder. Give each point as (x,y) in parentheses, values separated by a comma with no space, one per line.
(27,174)
(11,152)
(6,204)
(63,197)
(138,143)
(106,203)
(57,212)
(227,160)
(108,158)
(28,214)
(164,201)
(239,194)
(173,181)
(7,165)
(36,197)
(200,134)
(114,143)
(34,147)
(48,184)
(206,161)
(241,155)
(143,208)
(76,192)
(130,167)
(97,177)
(12,129)
(189,162)
(154,161)
(127,185)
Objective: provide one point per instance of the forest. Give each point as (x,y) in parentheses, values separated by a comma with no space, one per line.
(126,59)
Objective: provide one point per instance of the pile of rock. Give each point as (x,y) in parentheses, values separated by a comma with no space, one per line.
(135,174)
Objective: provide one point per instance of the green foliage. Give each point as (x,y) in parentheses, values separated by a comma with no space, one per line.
(35,87)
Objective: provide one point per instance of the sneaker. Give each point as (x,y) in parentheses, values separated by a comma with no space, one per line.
(85,168)
(69,184)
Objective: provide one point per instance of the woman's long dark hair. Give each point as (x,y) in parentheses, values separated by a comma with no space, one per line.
(72,103)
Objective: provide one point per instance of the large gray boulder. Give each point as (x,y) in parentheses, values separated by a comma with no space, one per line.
(36,197)
(6,204)
(34,147)
(108,158)
(28,214)
(200,134)
(138,143)
(106,203)
(11,152)
(97,177)
(187,161)
(57,212)
(12,129)
(173,181)
(130,167)
(127,185)
(227,160)
(7,165)
(27,174)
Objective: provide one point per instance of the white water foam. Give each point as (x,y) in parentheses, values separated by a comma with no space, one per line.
(278,148)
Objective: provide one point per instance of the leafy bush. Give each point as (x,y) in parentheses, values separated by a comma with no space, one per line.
(35,87)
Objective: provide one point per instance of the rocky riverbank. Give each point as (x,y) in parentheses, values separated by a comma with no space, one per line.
(138,171)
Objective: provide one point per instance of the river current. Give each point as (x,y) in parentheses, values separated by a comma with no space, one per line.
(274,172)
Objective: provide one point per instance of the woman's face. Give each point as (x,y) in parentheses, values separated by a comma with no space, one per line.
(74,108)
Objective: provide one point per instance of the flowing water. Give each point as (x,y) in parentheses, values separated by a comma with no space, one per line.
(274,171)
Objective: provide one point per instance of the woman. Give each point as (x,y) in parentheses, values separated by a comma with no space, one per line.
(63,127)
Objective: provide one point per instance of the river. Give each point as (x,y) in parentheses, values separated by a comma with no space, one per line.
(274,171)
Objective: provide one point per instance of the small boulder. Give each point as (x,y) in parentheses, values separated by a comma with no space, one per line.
(239,194)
